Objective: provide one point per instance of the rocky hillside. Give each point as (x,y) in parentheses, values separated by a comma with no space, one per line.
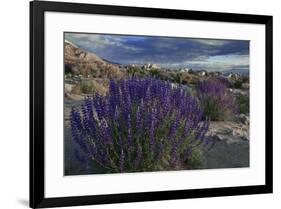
(80,62)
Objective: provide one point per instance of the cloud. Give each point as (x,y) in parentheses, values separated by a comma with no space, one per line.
(221,62)
(96,41)
(211,42)
(166,51)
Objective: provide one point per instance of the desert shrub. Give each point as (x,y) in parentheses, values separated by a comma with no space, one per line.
(136,71)
(87,87)
(238,84)
(175,77)
(91,86)
(154,72)
(222,80)
(243,103)
(68,68)
(94,73)
(215,99)
(140,125)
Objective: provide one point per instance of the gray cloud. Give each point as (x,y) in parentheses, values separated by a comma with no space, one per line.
(197,53)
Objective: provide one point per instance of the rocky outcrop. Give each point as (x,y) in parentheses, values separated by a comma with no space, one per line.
(230,131)
(237,92)
(242,118)
(230,144)
(80,62)
(68,87)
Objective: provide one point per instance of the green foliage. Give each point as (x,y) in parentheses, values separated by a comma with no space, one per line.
(238,84)
(196,158)
(154,72)
(243,103)
(174,77)
(87,87)
(136,71)
(211,108)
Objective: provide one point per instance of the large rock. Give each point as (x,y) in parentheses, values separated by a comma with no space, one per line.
(231,146)
(229,131)
(238,92)
(74,97)
(244,119)
(68,87)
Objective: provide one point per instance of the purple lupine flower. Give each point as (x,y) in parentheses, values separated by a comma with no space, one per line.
(115,116)
(152,127)
(77,130)
(140,119)
(105,132)
(174,126)
(215,98)
(97,105)
(129,130)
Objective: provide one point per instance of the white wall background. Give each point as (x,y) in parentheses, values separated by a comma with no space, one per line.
(14,104)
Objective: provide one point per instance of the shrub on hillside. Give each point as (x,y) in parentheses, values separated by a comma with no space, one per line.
(136,71)
(238,84)
(215,99)
(243,103)
(87,87)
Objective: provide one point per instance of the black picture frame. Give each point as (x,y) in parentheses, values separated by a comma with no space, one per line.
(37,86)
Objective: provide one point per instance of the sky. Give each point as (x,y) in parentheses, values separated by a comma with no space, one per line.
(169,52)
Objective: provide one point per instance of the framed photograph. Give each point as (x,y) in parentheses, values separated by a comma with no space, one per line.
(133,104)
